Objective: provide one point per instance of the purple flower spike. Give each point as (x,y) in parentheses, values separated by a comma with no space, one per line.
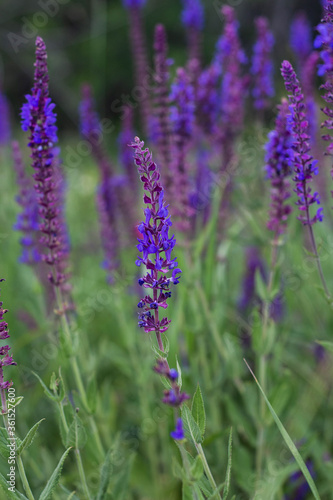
(308,82)
(155,245)
(39,118)
(301,37)
(279,161)
(303,162)
(178,433)
(161,99)
(324,43)
(262,66)
(207,97)
(182,111)
(4,120)
(5,358)
(193,20)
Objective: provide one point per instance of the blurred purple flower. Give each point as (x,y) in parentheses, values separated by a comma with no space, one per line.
(39,118)
(28,220)
(193,14)
(309,71)
(178,433)
(279,161)
(262,66)
(254,264)
(304,165)
(301,37)
(5,131)
(132,4)
(207,98)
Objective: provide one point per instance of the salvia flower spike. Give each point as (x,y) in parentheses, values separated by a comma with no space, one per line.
(155,247)
(301,37)
(262,66)
(39,118)
(5,358)
(193,18)
(279,160)
(324,43)
(304,165)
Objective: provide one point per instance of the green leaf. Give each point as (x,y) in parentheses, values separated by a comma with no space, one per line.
(47,391)
(228,472)
(166,345)
(28,438)
(120,487)
(190,425)
(328,345)
(179,370)
(54,479)
(106,472)
(71,495)
(261,286)
(77,435)
(178,470)
(187,492)
(13,495)
(198,411)
(92,394)
(197,468)
(288,441)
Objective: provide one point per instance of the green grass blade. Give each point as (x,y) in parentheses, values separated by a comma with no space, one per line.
(228,472)
(288,441)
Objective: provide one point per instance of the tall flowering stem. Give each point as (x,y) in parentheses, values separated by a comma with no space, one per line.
(193,19)
(140,58)
(304,166)
(262,66)
(156,246)
(279,161)
(39,118)
(308,83)
(5,131)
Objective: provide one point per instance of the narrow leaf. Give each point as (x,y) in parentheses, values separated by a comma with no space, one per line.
(46,389)
(105,476)
(197,468)
(198,411)
(121,485)
(54,479)
(228,473)
(288,441)
(77,435)
(12,495)
(92,394)
(28,438)
(190,425)
(179,370)
(328,345)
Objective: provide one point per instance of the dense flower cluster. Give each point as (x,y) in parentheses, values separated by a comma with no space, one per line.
(5,358)
(156,247)
(206,99)
(279,161)
(183,108)
(301,37)
(39,118)
(262,66)
(304,166)
(28,220)
(324,43)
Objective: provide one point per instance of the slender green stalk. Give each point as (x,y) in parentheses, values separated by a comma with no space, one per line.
(207,470)
(320,269)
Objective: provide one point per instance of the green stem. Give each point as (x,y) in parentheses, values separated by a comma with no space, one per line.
(207,470)
(320,269)
(24,478)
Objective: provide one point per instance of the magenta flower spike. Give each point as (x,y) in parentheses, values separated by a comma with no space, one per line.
(279,162)
(39,119)
(262,66)
(5,358)
(304,165)
(155,247)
